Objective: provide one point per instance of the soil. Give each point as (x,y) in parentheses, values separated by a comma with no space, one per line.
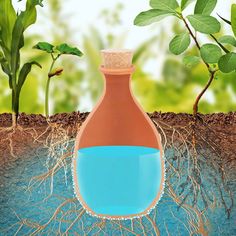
(218,129)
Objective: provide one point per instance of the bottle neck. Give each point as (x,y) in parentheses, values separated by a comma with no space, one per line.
(117,83)
(117,86)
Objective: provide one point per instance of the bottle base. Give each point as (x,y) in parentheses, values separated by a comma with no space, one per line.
(118,182)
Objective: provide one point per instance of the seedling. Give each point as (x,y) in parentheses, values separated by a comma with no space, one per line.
(55,52)
(216,57)
(12,28)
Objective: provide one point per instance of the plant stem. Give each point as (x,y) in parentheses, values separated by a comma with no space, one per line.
(46,98)
(190,31)
(194,37)
(12,100)
(17,101)
(195,106)
(222,47)
(14,119)
(14,105)
(48,86)
(212,72)
(14,112)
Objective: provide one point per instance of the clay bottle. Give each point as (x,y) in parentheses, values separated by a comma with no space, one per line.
(118,165)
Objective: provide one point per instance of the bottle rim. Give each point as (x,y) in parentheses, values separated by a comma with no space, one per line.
(123,71)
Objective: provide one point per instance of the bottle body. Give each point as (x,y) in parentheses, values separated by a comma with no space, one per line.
(118,165)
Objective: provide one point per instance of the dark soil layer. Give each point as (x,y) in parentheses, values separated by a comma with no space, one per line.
(218,120)
(218,129)
(38,120)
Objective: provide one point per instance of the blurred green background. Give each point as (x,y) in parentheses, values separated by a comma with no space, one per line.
(161,82)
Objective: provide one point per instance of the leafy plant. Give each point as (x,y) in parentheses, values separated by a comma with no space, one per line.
(55,52)
(217,56)
(12,28)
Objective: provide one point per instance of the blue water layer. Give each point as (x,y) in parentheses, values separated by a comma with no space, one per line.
(119,180)
(58,216)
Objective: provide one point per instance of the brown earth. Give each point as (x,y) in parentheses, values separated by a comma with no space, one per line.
(218,129)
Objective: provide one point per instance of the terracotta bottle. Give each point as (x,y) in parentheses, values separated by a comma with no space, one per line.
(118,166)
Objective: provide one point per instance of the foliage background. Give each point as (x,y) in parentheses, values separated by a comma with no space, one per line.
(161,81)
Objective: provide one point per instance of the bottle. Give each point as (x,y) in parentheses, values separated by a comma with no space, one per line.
(118,164)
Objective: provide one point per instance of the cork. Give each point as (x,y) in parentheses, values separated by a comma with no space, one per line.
(117,58)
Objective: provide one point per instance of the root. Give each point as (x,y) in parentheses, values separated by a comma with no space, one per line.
(195,163)
(9,133)
(189,166)
(38,180)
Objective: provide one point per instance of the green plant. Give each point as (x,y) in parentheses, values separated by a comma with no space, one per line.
(12,28)
(55,52)
(216,57)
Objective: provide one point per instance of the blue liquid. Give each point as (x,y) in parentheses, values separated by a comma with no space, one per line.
(118,180)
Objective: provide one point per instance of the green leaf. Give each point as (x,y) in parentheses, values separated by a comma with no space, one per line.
(166,5)
(4,64)
(210,53)
(191,61)
(66,49)
(7,21)
(179,43)
(1,56)
(44,46)
(151,16)
(228,39)
(34,3)
(227,63)
(233,18)
(23,21)
(205,7)
(204,24)
(185,3)
(25,70)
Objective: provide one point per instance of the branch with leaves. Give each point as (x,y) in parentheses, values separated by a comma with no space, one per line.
(216,56)
(56,52)
(12,28)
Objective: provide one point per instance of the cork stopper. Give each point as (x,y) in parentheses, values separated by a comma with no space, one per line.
(117,58)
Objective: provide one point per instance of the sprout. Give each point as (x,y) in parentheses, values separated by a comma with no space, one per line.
(55,52)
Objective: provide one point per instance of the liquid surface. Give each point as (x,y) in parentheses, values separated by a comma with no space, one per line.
(118,180)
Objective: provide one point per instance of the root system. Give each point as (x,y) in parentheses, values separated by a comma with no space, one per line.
(200,159)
